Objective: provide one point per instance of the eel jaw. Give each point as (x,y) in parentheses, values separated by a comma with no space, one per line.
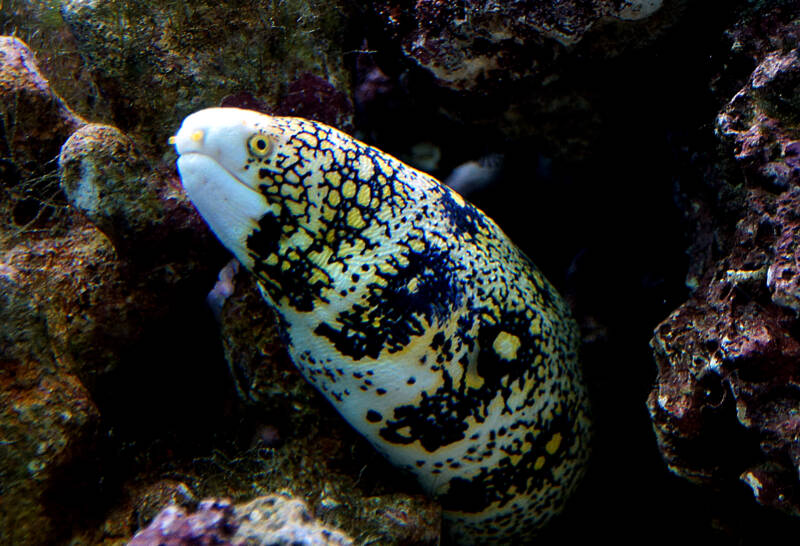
(212,146)
(231,208)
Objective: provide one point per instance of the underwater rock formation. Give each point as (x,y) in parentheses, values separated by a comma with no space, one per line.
(156,62)
(274,519)
(84,313)
(475,46)
(108,179)
(517,68)
(284,520)
(726,405)
(48,422)
(209,524)
(34,122)
(40,26)
(758,122)
(104,177)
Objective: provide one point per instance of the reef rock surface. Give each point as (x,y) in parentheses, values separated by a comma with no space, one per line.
(275,519)
(473,46)
(516,68)
(156,62)
(726,405)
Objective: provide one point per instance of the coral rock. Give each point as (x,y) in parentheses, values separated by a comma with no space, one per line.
(173,526)
(516,68)
(726,405)
(198,53)
(35,120)
(47,420)
(783,275)
(723,407)
(105,177)
(469,45)
(34,123)
(274,519)
(758,121)
(280,519)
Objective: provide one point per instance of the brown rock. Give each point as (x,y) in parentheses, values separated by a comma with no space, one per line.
(155,63)
(48,423)
(34,122)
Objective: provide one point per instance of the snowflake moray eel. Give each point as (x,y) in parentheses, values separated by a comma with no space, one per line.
(409,309)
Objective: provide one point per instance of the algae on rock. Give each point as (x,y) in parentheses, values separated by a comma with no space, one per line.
(156,62)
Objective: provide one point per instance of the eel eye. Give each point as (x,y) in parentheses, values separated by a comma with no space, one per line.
(259,145)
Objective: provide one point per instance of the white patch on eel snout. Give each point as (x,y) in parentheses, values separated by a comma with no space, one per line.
(230,208)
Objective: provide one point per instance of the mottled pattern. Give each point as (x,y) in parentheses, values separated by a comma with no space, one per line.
(413,313)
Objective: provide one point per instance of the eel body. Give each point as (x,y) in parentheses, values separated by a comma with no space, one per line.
(410,310)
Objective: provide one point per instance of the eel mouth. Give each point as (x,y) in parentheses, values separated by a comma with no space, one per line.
(208,160)
(231,208)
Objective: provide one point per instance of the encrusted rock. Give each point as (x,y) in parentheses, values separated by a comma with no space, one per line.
(77,310)
(280,519)
(211,523)
(194,55)
(765,27)
(48,423)
(726,361)
(78,270)
(40,26)
(475,45)
(783,274)
(105,177)
(34,123)
(273,519)
(726,406)
(760,121)
(35,120)
(516,69)
(74,317)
